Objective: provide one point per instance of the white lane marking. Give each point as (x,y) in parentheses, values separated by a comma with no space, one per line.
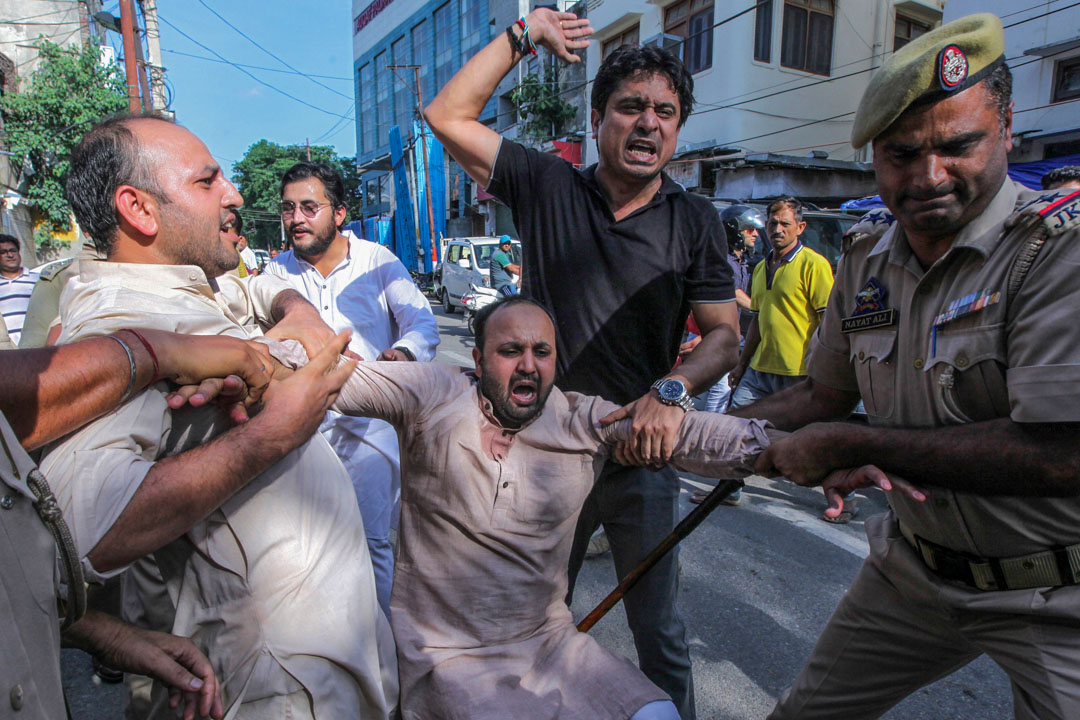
(815,526)
(857,546)
(457,358)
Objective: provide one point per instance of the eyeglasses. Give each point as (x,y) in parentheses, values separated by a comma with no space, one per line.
(310,208)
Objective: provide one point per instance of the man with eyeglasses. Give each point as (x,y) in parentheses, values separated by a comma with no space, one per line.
(16,286)
(359,286)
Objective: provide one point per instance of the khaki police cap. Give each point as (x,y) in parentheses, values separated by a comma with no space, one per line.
(930,68)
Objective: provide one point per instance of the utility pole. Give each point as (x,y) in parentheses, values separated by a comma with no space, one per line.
(419,92)
(127,31)
(153,49)
(307,142)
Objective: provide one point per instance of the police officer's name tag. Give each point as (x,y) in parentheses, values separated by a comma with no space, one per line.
(870,311)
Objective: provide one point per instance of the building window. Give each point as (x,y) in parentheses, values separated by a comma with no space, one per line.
(692,20)
(367,99)
(629,36)
(1067,80)
(763,32)
(402,82)
(808,35)
(383,81)
(474,27)
(907,30)
(421,55)
(444,47)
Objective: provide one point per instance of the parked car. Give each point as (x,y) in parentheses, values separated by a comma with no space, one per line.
(465,264)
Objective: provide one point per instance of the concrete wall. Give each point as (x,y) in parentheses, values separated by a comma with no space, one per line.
(1040,121)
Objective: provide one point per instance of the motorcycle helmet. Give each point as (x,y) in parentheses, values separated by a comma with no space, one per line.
(735,219)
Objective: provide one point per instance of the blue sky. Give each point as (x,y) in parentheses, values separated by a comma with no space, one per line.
(229,109)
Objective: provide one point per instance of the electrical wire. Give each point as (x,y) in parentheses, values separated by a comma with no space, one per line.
(1042,15)
(165,20)
(255,67)
(256,44)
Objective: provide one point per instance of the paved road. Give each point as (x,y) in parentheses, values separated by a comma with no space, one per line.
(758,584)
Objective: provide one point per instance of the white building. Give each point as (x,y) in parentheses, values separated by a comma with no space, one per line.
(782,80)
(1042,46)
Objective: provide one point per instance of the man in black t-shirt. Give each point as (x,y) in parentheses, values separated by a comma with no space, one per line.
(620,253)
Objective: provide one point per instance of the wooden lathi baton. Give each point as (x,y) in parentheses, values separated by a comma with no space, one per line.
(684,528)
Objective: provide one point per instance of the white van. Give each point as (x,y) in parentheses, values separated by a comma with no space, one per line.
(465,263)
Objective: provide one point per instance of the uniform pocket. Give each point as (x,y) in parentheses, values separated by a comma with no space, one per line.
(872,357)
(969,371)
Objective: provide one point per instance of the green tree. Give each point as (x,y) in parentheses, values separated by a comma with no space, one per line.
(70,89)
(541,108)
(258,178)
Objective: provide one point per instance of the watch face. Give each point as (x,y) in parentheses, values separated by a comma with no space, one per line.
(671,390)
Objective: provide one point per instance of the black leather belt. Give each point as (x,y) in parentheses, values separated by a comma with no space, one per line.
(1049,568)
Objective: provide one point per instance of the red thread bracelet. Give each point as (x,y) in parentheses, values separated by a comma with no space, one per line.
(149,349)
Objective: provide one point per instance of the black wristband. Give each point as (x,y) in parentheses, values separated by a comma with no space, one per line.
(516,42)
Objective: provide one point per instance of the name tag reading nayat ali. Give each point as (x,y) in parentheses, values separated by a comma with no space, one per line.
(870,311)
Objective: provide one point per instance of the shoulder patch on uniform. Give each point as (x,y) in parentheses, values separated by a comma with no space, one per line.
(1058,210)
(54,269)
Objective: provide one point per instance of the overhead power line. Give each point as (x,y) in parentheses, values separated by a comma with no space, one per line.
(251,40)
(165,20)
(255,67)
(1041,15)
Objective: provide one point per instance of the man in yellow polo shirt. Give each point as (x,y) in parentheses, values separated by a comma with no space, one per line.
(788,294)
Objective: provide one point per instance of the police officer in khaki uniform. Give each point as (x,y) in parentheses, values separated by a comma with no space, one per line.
(958,330)
(40,325)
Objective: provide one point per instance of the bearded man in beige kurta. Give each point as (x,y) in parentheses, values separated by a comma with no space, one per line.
(261,546)
(496,464)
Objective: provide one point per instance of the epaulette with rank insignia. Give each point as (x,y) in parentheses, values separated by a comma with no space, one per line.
(1057,210)
(1052,213)
(54,269)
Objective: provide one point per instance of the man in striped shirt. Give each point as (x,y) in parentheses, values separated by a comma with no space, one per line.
(16,284)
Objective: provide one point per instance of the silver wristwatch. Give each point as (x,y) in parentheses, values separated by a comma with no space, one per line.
(673,392)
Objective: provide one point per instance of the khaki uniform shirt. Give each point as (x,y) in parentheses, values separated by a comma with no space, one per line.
(276,585)
(44,310)
(487,520)
(5,339)
(30,665)
(1021,362)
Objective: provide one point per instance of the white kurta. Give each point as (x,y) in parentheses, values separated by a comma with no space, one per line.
(369,292)
(276,585)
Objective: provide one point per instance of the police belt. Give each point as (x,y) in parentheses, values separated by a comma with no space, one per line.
(1049,568)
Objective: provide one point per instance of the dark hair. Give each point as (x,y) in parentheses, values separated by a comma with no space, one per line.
(999,85)
(794,204)
(5,238)
(107,157)
(1057,176)
(630,61)
(328,176)
(238,225)
(485,313)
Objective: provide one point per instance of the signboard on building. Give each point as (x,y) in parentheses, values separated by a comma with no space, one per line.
(361,21)
(685,172)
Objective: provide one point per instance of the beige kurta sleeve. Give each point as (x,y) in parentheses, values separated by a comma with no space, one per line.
(396,392)
(96,470)
(711,444)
